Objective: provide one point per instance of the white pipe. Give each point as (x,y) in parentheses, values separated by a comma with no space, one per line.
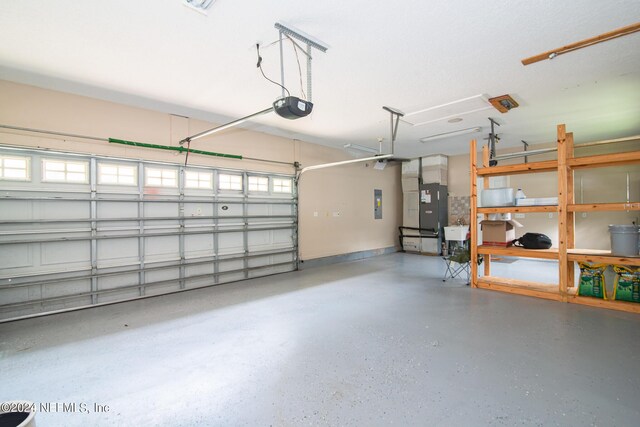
(345,162)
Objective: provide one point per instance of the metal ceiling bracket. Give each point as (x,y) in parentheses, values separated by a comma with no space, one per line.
(493,138)
(310,42)
(395,120)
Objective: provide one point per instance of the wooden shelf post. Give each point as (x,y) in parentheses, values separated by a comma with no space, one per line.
(485,185)
(563,172)
(473,222)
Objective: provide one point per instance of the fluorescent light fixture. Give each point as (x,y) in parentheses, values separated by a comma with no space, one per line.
(452,133)
(359,147)
(200,5)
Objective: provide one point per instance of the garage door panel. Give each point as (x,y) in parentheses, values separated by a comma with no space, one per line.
(12,209)
(199,282)
(231,277)
(162,289)
(158,248)
(16,256)
(198,209)
(15,295)
(259,239)
(118,281)
(270,270)
(282,237)
(68,254)
(65,288)
(112,251)
(259,209)
(281,210)
(230,265)
(230,209)
(230,243)
(198,245)
(67,303)
(120,295)
(162,275)
(202,225)
(117,209)
(161,209)
(63,210)
(197,270)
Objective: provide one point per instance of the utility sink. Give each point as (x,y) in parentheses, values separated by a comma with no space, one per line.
(456,232)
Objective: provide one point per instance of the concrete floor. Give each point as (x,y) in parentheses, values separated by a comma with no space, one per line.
(374,342)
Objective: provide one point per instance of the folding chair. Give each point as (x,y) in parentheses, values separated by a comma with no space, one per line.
(458,261)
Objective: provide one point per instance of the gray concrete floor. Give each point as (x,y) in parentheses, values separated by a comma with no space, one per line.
(374,342)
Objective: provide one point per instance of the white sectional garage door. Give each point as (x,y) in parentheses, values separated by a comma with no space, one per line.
(77,231)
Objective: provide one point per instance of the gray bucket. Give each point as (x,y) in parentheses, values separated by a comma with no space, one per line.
(624,240)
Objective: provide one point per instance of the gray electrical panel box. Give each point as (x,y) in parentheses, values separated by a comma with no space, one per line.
(377,204)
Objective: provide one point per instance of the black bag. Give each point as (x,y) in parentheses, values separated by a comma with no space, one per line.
(533,241)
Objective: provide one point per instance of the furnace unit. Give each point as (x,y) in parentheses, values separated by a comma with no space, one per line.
(434,215)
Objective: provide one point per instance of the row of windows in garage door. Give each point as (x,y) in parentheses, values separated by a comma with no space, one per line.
(18,168)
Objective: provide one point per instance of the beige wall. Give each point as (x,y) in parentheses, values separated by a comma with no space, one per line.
(346,191)
(598,185)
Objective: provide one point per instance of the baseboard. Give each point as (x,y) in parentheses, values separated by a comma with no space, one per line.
(352,256)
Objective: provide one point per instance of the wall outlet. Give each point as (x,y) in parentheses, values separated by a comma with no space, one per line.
(584,215)
(550,214)
(315,214)
(520,215)
(336,214)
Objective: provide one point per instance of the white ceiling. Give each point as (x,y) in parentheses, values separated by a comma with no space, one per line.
(411,55)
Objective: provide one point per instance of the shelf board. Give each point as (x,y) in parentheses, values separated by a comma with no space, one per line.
(546,166)
(631,307)
(519,209)
(551,253)
(601,257)
(520,287)
(603,160)
(593,207)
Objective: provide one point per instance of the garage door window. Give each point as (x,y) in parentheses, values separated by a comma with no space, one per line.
(229,182)
(259,184)
(14,168)
(161,177)
(64,171)
(203,180)
(281,185)
(116,174)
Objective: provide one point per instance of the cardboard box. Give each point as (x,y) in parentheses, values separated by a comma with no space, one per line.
(498,233)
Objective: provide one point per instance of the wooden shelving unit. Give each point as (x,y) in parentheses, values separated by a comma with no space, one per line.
(565,253)
(519,209)
(514,251)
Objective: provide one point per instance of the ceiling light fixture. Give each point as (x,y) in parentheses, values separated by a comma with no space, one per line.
(359,147)
(199,5)
(450,134)
(455,120)
(503,103)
